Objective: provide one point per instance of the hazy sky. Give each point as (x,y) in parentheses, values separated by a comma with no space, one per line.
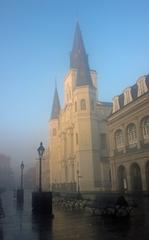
(35,42)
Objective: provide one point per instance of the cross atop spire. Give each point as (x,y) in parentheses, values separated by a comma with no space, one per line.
(56,105)
(79,59)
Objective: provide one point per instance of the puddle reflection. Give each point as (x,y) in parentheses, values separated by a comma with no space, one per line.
(20,223)
(42,225)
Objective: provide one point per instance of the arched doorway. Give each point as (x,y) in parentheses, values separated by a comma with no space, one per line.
(122,179)
(135,174)
(147,175)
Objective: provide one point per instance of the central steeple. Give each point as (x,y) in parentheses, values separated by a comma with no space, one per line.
(79,60)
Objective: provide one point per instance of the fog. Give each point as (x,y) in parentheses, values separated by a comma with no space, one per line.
(22,147)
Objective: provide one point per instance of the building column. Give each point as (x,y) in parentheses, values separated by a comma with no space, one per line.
(143,177)
(73,175)
(138,133)
(113,176)
(124,138)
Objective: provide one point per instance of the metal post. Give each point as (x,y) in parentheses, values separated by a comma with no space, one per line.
(22,167)
(78,184)
(40,152)
(78,181)
(40,185)
(21,178)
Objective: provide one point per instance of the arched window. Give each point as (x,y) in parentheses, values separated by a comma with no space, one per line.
(135,175)
(132,134)
(75,106)
(54,131)
(83,104)
(145,127)
(119,141)
(122,178)
(77,138)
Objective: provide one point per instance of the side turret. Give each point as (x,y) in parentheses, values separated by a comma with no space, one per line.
(54,140)
(56,106)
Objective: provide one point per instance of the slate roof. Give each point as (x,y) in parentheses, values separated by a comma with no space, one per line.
(79,60)
(134,92)
(108,104)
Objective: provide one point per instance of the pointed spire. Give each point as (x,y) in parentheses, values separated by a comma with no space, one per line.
(56,106)
(79,59)
(78,49)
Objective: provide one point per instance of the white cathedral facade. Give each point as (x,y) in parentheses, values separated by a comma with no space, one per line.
(78,149)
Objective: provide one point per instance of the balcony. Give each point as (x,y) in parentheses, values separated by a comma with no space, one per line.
(118,152)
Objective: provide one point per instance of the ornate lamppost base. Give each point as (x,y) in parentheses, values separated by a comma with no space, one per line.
(42,203)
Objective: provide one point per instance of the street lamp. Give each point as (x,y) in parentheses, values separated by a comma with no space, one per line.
(20,191)
(78,179)
(41,200)
(22,167)
(40,150)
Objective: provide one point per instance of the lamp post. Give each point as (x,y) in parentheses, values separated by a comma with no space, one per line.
(78,179)
(41,200)
(40,150)
(22,168)
(20,191)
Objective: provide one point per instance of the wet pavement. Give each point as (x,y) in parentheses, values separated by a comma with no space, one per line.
(20,224)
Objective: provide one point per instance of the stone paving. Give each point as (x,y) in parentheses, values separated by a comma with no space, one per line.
(20,224)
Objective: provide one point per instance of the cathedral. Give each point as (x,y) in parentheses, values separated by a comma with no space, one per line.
(78,149)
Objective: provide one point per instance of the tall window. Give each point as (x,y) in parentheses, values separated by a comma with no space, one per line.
(145,127)
(77,138)
(66,174)
(131,134)
(75,106)
(103,141)
(72,143)
(119,141)
(54,131)
(83,104)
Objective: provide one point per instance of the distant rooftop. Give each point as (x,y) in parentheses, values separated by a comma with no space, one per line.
(105,103)
(132,93)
